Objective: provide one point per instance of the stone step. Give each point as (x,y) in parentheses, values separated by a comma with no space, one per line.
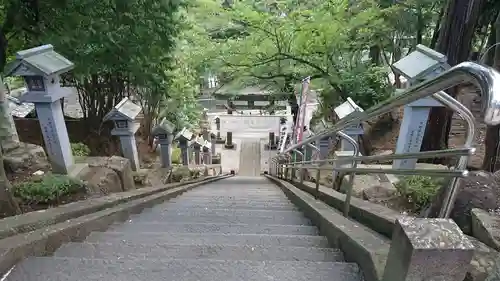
(209,211)
(124,250)
(214,228)
(209,239)
(234,197)
(188,205)
(229,201)
(78,269)
(229,218)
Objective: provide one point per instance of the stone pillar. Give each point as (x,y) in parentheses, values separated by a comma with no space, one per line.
(165,142)
(212,142)
(324,147)
(129,150)
(229,141)
(197,156)
(411,131)
(428,249)
(272,140)
(55,135)
(217,123)
(206,156)
(183,145)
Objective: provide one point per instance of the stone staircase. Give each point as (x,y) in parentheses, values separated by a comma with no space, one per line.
(241,228)
(250,157)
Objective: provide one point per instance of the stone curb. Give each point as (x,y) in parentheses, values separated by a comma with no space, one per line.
(377,217)
(358,243)
(34,220)
(45,241)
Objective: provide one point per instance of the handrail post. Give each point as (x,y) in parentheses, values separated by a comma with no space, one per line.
(302,171)
(293,167)
(348,194)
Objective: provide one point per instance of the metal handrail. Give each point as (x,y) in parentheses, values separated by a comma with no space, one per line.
(485,78)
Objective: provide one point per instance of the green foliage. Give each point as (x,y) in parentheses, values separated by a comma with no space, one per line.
(47,190)
(419,190)
(80,149)
(180,173)
(176,155)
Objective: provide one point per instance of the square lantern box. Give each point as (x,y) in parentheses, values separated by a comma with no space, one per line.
(123,116)
(164,131)
(347,108)
(420,65)
(184,135)
(41,68)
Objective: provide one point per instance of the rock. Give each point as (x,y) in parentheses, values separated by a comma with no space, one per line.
(479,190)
(101,180)
(377,193)
(486,228)
(25,156)
(119,165)
(141,178)
(485,263)
(178,174)
(384,152)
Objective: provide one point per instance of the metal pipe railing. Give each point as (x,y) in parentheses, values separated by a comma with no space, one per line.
(485,78)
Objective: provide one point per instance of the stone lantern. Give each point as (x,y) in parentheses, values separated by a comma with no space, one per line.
(164,132)
(41,68)
(183,137)
(353,131)
(420,65)
(123,116)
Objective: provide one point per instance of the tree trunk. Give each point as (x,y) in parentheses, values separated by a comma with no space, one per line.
(455,39)
(492,139)
(8,205)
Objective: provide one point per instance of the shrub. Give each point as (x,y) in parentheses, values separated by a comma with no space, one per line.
(176,155)
(49,189)
(419,190)
(80,149)
(179,174)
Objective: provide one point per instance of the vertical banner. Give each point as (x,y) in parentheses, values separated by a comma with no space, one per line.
(299,127)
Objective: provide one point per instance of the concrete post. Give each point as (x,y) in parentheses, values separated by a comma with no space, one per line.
(428,249)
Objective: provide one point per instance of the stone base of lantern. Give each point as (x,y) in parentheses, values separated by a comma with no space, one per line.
(270,147)
(216,159)
(230,146)
(220,140)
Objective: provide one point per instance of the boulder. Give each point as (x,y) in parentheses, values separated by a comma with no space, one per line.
(25,156)
(485,264)
(100,180)
(478,190)
(119,165)
(377,193)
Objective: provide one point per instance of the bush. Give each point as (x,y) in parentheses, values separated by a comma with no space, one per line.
(80,149)
(49,189)
(419,190)
(176,155)
(180,173)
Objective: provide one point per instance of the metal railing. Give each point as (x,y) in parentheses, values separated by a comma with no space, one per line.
(483,77)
